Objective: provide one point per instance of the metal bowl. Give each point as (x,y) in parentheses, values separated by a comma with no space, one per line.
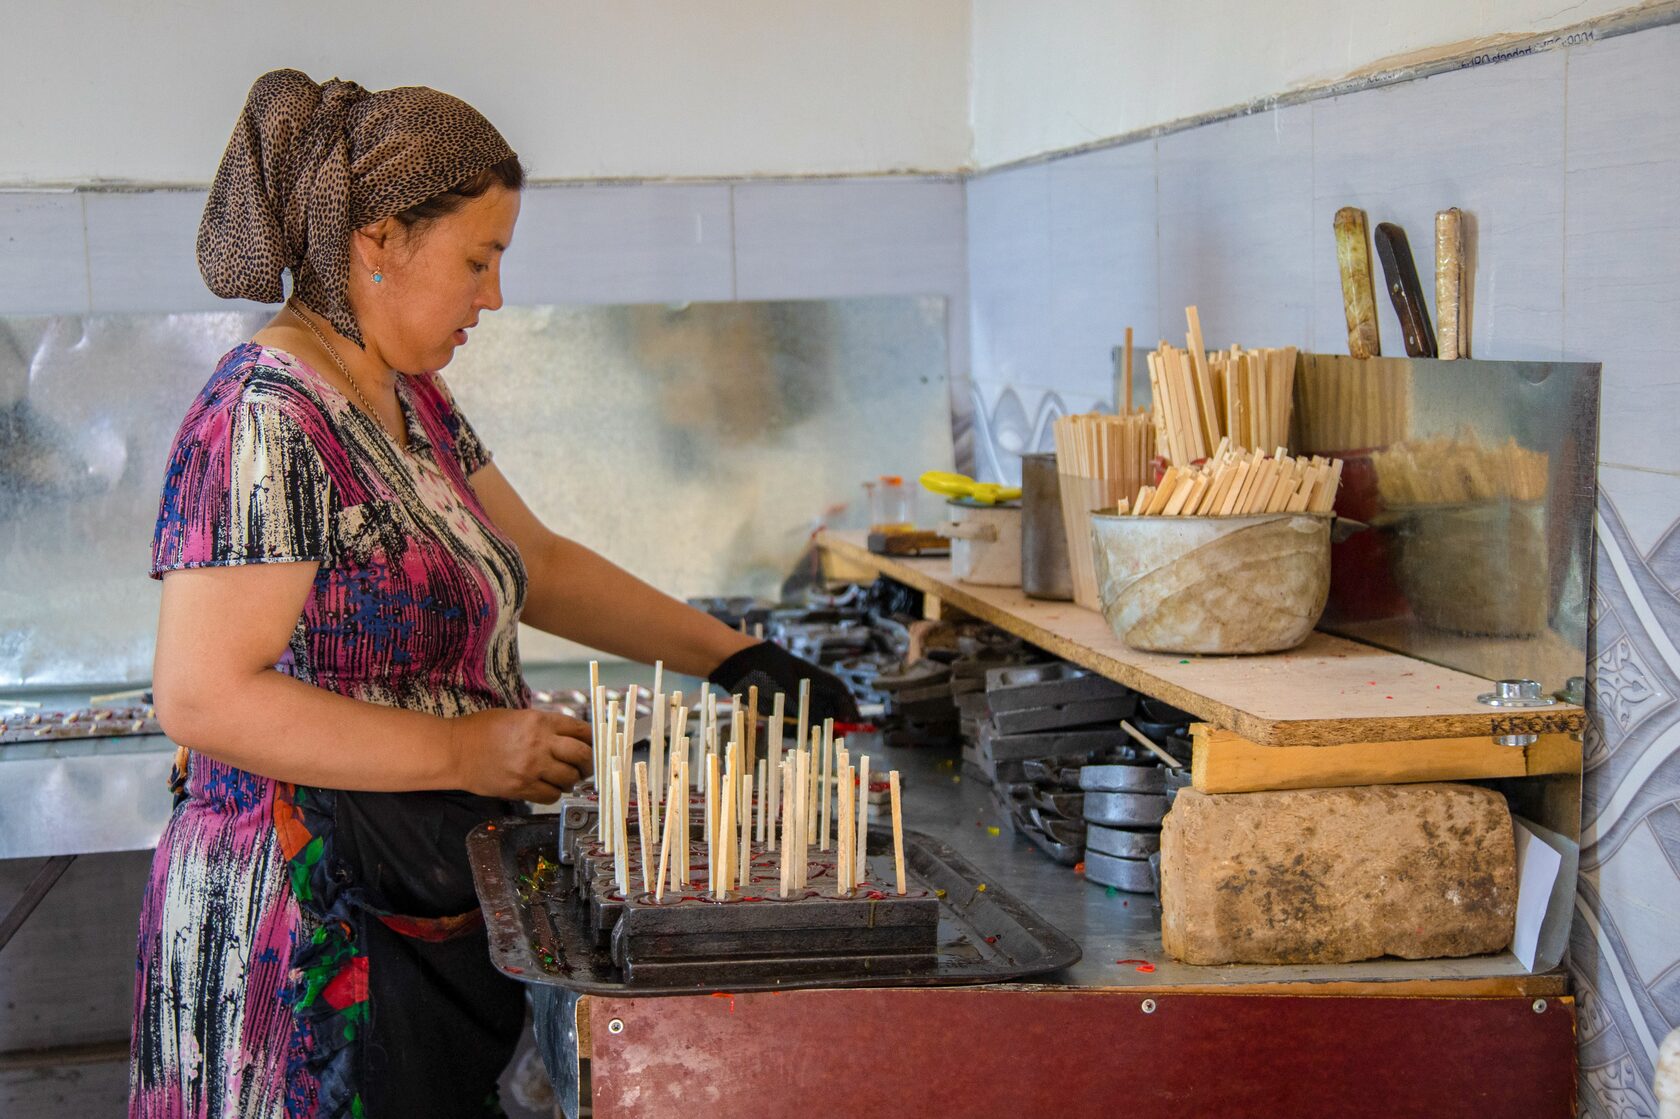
(1212,584)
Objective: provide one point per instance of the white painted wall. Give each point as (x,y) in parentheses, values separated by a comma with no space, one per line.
(147,92)
(1054,76)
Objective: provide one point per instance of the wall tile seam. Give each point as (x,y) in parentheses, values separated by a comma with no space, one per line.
(87,255)
(734,248)
(1563,246)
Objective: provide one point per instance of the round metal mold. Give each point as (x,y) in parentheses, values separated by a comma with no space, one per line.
(1122,843)
(1130,875)
(1125,810)
(1146,778)
(1516,693)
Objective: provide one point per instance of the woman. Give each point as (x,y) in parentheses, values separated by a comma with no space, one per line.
(343,572)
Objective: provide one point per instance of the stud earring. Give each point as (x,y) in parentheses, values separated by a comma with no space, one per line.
(379,277)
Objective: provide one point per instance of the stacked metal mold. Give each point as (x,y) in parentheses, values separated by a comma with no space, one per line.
(1066,776)
(926,700)
(1126,800)
(1043,724)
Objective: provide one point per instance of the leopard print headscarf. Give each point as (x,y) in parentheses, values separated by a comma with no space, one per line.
(309,163)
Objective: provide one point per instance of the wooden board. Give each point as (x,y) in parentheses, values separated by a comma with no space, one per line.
(1225,762)
(1330,690)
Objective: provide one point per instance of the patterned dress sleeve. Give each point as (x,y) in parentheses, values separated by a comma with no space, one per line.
(245,483)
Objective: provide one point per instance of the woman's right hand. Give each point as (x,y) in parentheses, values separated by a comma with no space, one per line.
(520,754)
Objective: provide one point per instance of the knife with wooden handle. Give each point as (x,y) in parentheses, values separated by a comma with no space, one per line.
(1400,273)
(1359,300)
(1453,338)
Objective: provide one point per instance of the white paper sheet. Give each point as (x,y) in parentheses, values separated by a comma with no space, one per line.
(1538,864)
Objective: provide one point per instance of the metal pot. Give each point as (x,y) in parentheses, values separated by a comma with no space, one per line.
(1045,571)
(985,542)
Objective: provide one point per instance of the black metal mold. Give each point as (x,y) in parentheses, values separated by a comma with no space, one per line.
(539,934)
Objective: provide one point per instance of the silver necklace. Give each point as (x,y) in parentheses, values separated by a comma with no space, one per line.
(354,387)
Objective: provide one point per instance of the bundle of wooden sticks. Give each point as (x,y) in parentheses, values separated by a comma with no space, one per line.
(1349,406)
(1235,483)
(1095,445)
(802,796)
(1458,471)
(1201,398)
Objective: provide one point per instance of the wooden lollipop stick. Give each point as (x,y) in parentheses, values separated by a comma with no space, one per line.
(843,865)
(658,677)
(609,762)
(787,832)
(752,728)
(804,714)
(725,860)
(744,850)
(656,760)
(643,801)
(711,822)
(684,866)
(1124,406)
(898,832)
(827,782)
(861,847)
(665,846)
(802,781)
(621,856)
(595,719)
(628,753)
(777,713)
(763,802)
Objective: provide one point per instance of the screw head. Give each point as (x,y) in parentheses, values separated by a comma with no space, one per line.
(1149,1006)
(616,1026)
(1539,1006)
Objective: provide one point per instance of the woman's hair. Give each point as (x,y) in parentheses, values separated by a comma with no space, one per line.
(509,173)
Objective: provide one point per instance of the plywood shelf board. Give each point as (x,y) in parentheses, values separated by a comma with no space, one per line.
(1328,691)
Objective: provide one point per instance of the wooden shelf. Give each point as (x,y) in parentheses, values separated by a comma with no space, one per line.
(1328,691)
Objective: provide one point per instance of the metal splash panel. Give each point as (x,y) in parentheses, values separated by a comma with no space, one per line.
(695,445)
(699,446)
(1479,481)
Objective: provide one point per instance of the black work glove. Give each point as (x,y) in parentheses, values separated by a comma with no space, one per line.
(773,669)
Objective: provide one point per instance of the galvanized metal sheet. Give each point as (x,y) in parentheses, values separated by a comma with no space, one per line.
(1497,588)
(696,445)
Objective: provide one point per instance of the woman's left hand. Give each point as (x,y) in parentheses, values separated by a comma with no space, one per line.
(774,669)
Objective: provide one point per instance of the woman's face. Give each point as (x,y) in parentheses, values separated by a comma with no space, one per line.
(435,282)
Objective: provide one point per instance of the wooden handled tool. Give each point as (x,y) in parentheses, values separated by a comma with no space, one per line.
(1359,300)
(1453,338)
(1401,276)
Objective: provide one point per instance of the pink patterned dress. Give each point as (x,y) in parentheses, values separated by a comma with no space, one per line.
(307,951)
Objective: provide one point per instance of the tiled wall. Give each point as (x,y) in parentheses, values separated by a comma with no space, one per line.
(114,251)
(1570,163)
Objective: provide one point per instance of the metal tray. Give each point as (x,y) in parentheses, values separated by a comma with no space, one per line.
(538,933)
